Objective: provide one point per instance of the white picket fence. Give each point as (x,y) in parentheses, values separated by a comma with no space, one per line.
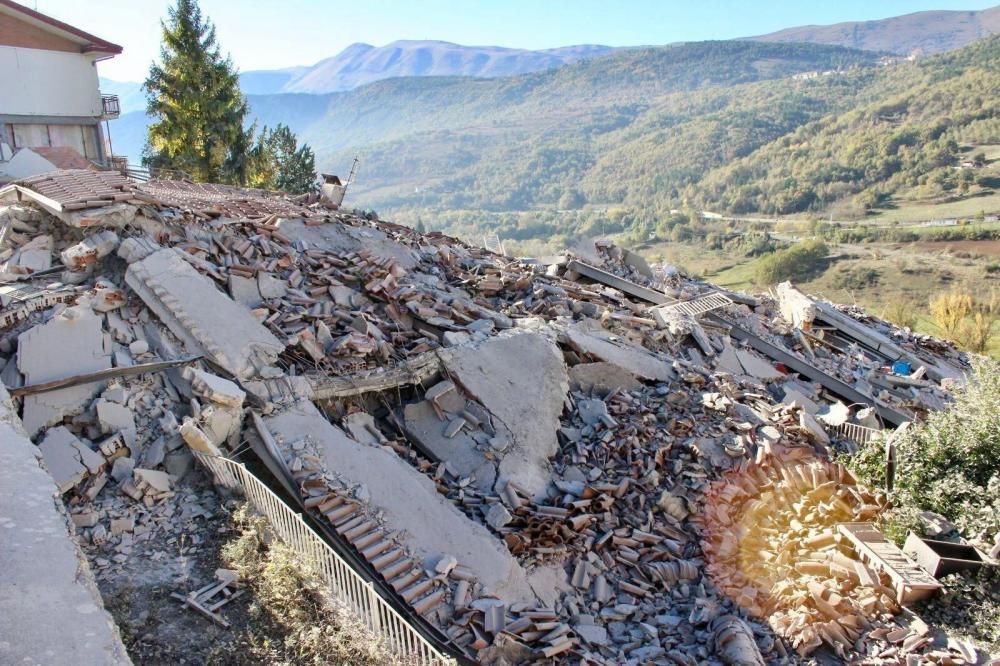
(344,583)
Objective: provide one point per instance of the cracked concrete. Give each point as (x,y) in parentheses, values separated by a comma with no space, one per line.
(409,503)
(43,563)
(522,380)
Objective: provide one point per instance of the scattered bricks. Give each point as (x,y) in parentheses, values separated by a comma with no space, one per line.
(86,253)
(122,525)
(85,519)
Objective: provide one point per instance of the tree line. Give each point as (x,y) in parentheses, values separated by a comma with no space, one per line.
(200,115)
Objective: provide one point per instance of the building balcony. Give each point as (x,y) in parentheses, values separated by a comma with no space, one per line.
(110,107)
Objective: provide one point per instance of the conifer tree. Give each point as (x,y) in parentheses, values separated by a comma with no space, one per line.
(277,162)
(194,98)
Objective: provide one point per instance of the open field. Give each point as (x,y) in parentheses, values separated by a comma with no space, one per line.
(919,212)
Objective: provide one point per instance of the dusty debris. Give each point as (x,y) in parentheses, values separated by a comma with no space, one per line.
(592,461)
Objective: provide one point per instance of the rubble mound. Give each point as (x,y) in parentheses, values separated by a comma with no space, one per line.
(586,460)
(771,544)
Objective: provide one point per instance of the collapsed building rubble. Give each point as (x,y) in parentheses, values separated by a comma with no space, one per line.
(579,461)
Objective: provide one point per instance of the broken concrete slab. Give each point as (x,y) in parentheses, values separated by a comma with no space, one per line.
(755,366)
(521,380)
(114,417)
(269,286)
(199,314)
(604,346)
(49,602)
(601,377)
(61,452)
(214,388)
(71,343)
(429,524)
(459,450)
(245,291)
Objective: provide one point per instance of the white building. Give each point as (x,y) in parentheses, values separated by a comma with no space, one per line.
(50,98)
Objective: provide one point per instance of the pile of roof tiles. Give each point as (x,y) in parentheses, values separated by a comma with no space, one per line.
(654,525)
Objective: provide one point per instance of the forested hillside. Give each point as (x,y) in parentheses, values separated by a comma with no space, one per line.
(620,140)
(904,143)
(520,142)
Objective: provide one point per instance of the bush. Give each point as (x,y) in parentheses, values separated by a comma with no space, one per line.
(950,463)
(857,277)
(799,262)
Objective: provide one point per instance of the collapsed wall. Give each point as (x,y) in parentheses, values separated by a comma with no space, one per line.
(525,456)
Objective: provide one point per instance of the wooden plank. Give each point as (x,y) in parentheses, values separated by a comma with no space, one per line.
(101,375)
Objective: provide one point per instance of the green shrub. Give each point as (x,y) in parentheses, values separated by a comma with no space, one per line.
(950,463)
(857,277)
(799,262)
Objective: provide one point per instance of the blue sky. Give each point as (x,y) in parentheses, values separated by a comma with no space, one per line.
(271,34)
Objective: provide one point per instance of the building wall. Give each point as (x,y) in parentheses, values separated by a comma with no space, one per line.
(16,32)
(35,82)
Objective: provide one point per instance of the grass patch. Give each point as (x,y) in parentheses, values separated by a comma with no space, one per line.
(292,620)
(917,212)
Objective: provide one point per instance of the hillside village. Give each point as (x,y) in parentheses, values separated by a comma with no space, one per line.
(246,425)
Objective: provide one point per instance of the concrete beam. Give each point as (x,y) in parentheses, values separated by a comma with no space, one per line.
(621,284)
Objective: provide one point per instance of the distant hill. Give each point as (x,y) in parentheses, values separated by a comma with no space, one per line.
(920,33)
(622,139)
(359,64)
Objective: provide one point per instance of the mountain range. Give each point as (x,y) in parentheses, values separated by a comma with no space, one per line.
(359,64)
(643,129)
(921,33)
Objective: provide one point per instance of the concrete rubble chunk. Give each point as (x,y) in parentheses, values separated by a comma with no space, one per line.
(86,253)
(71,343)
(245,291)
(269,286)
(755,366)
(114,417)
(521,380)
(605,347)
(33,256)
(409,502)
(602,378)
(206,320)
(61,451)
(136,248)
(212,387)
(497,516)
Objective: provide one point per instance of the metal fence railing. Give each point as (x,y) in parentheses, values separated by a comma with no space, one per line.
(856,433)
(344,583)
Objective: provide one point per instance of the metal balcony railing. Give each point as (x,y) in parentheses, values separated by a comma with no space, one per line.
(110,107)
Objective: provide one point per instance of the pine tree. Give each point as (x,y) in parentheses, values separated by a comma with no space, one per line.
(277,162)
(194,98)
(296,165)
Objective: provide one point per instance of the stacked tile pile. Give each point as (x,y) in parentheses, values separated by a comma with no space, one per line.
(683,513)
